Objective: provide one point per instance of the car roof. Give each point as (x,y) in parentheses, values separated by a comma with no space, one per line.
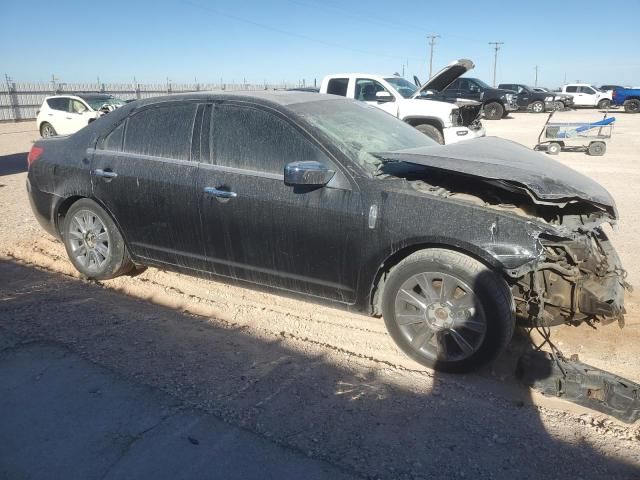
(277,97)
(360,74)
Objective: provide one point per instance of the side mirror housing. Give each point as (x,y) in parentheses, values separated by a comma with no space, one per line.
(310,173)
(384,97)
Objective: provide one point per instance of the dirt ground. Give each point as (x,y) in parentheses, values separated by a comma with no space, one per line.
(320,380)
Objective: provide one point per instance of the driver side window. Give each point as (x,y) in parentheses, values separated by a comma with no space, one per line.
(366,89)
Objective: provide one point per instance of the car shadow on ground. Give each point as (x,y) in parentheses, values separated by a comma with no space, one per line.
(14,163)
(366,416)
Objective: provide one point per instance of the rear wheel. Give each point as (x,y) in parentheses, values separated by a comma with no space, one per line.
(431,132)
(537,107)
(47,130)
(493,111)
(632,106)
(93,242)
(604,103)
(597,149)
(447,311)
(554,148)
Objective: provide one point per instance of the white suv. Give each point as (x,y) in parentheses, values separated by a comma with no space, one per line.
(66,114)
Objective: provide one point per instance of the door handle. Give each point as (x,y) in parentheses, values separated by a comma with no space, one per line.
(214,192)
(104,173)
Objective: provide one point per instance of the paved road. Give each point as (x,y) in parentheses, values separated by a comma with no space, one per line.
(63,417)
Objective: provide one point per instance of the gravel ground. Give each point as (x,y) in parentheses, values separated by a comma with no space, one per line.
(319,380)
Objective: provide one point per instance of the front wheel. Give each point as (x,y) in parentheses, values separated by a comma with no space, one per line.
(447,311)
(493,111)
(604,103)
(597,149)
(537,107)
(431,132)
(93,242)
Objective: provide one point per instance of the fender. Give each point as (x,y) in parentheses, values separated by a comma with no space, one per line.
(418,120)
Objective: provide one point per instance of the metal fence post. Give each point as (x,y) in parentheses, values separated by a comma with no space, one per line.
(13,98)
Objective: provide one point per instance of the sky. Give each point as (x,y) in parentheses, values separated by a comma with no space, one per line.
(291,40)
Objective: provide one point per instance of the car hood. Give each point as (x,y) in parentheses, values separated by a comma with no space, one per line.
(446,76)
(513,166)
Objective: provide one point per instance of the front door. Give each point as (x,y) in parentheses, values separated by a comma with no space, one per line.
(143,173)
(365,91)
(258,229)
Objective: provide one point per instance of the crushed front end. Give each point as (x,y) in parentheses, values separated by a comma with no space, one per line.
(573,281)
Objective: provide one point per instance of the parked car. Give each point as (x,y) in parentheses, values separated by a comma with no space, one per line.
(585,95)
(629,98)
(443,121)
(66,114)
(529,99)
(447,84)
(336,200)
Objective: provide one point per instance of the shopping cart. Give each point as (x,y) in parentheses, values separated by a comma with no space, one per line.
(587,137)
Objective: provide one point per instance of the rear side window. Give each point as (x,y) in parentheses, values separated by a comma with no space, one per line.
(113,141)
(58,104)
(338,86)
(252,139)
(163,131)
(572,89)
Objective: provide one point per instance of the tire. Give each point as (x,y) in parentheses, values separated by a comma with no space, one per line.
(537,107)
(597,149)
(88,228)
(604,103)
(558,106)
(493,111)
(47,130)
(432,132)
(554,148)
(435,333)
(632,106)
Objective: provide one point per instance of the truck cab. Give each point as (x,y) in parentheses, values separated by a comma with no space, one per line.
(585,95)
(445,122)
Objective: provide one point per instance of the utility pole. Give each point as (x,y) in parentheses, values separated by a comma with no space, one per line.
(536,69)
(432,42)
(495,59)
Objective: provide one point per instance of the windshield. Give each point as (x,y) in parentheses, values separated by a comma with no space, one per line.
(361,130)
(98,102)
(404,87)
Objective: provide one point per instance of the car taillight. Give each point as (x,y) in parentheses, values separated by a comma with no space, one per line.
(34,154)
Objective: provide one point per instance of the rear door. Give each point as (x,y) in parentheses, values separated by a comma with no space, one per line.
(298,239)
(143,173)
(57,115)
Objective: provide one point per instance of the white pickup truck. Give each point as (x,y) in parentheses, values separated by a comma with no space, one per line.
(585,95)
(443,121)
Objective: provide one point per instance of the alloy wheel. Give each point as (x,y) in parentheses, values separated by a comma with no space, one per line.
(439,316)
(89,240)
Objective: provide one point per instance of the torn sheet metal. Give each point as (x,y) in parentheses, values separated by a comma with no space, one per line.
(582,384)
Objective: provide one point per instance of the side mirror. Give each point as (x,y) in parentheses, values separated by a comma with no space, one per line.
(310,173)
(384,97)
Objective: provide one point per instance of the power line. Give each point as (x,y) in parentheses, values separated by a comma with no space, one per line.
(263,26)
(495,59)
(432,42)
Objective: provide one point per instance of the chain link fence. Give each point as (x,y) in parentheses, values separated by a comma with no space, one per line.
(21,101)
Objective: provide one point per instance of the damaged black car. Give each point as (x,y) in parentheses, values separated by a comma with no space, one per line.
(338,201)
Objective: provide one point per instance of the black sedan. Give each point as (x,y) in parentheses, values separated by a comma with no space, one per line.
(337,201)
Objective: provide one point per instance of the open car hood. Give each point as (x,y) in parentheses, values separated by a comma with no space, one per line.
(446,76)
(513,166)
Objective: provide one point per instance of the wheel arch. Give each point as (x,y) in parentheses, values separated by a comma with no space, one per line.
(414,121)
(392,258)
(63,207)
